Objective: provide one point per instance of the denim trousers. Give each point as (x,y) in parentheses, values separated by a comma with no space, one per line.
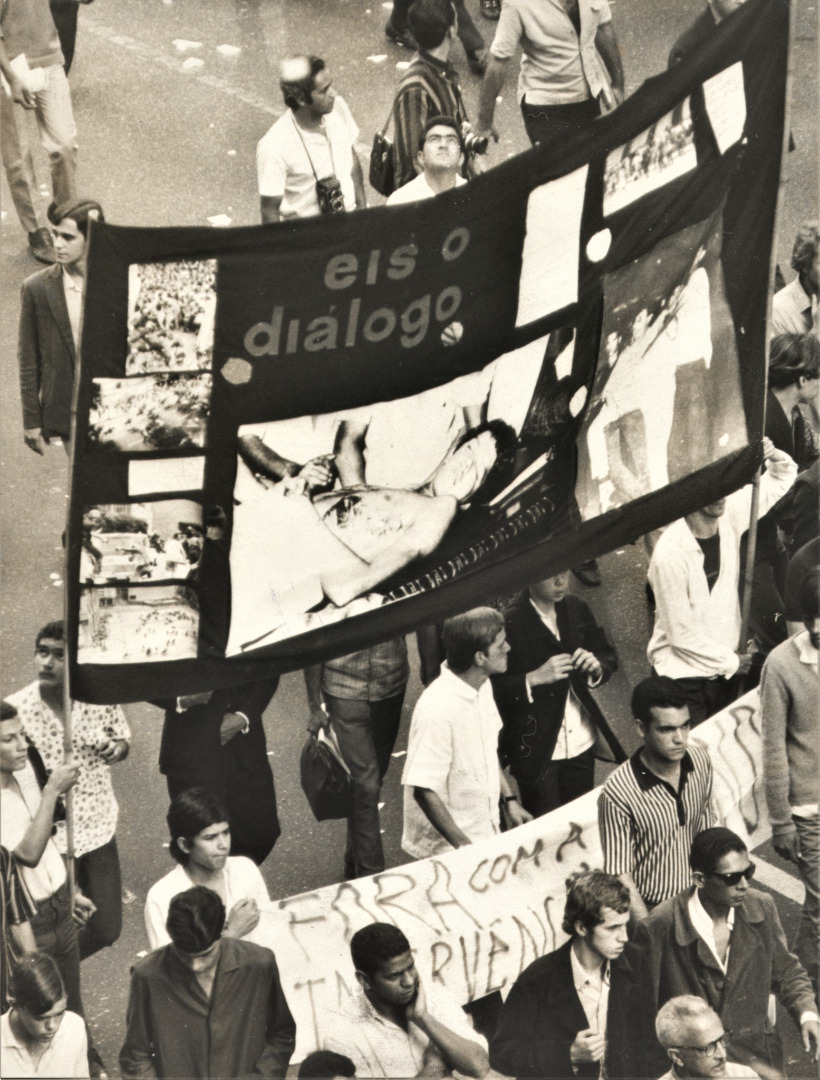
(55,933)
(98,875)
(366,732)
(58,134)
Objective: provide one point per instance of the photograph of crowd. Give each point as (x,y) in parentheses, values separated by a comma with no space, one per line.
(151,412)
(153,541)
(656,157)
(171,308)
(667,342)
(130,624)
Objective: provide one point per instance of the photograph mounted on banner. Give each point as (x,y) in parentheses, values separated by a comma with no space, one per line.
(340,513)
(150,412)
(131,624)
(171,310)
(154,541)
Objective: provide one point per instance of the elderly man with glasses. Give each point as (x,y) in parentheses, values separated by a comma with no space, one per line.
(721,941)
(693,1036)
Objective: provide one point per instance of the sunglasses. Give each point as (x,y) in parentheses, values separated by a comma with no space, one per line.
(734,878)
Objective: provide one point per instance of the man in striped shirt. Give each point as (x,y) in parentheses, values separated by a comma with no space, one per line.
(652,806)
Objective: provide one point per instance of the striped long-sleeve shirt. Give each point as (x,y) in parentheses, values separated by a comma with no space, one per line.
(647,827)
(429,87)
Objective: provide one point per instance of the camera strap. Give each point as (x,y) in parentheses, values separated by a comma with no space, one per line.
(304,144)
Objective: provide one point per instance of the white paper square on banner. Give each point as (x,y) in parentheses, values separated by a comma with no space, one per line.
(725,98)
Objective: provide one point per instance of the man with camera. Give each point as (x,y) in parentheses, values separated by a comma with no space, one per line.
(306,163)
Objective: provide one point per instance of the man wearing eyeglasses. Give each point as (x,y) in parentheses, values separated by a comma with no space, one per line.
(440,157)
(723,942)
(693,1036)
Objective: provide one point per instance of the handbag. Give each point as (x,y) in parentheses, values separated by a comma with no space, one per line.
(325,777)
(382,167)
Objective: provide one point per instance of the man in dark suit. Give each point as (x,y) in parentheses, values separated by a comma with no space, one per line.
(50,318)
(556,1019)
(217,741)
(552,724)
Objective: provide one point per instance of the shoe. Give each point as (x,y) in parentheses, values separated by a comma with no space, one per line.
(477,61)
(96,1065)
(41,247)
(588,573)
(491,9)
(400,37)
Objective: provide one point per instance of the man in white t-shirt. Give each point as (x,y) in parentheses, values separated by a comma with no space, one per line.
(453,781)
(312,141)
(440,156)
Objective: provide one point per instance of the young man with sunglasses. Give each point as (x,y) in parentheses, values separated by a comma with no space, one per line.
(721,941)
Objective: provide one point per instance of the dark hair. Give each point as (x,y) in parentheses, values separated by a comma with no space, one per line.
(323,1064)
(196,919)
(54,630)
(709,847)
(503,468)
(805,246)
(375,945)
(441,121)
(189,813)
(468,633)
(81,211)
(36,983)
(809,594)
(294,89)
(429,21)
(793,355)
(7,711)
(588,893)
(656,692)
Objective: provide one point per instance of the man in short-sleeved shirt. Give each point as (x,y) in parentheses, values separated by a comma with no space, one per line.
(313,140)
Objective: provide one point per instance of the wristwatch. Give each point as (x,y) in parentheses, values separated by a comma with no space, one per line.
(509,798)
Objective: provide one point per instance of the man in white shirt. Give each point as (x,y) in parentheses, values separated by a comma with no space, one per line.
(694,576)
(452,778)
(692,1034)
(794,308)
(440,156)
(394,1025)
(313,141)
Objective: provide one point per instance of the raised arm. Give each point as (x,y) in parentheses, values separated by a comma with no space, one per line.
(350,443)
(30,849)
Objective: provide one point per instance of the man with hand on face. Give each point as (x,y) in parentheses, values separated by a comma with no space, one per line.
(652,806)
(440,157)
(393,1026)
(312,142)
(453,780)
(555,1021)
(51,308)
(558,653)
(722,941)
(206,1005)
(692,1034)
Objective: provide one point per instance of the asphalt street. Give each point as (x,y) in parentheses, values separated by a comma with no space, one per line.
(163,142)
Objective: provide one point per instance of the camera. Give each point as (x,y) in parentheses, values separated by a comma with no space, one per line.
(329,192)
(473,144)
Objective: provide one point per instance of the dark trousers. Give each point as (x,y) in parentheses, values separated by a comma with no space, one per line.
(705,697)
(468,32)
(547,122)
(98,875)
(562,782)
(55,933)
(366,732)
(64,13)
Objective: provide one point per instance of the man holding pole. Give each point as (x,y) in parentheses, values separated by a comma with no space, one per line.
(694,575)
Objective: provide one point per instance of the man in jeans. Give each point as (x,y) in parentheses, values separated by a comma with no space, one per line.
(32,64)
(363,694)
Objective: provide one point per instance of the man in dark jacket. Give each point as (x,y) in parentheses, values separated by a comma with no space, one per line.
(551,721)
(722,941)
(217,741)
(50,318)
(556,1020)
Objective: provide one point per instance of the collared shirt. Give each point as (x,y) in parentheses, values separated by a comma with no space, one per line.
(647,827)
(577,732)
(74,303)
(452,750)
(373,674)
(417,190)
(734,1071)
(377,1046)
(593,992)
(793,310)
(558,67)
(65,1056)
(95,808)
(705,928)
(18,805)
